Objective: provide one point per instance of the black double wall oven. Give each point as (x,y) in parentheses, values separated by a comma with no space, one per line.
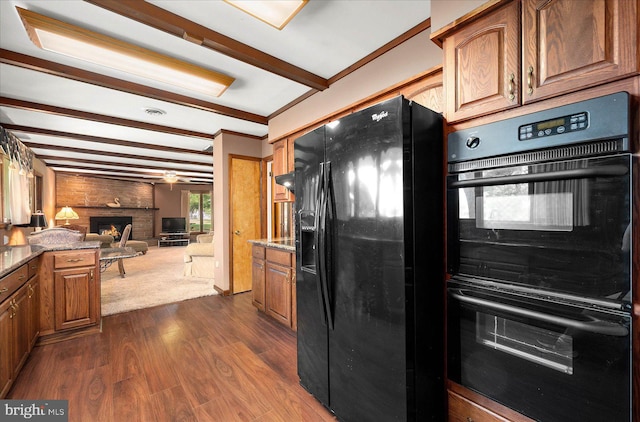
(539,258)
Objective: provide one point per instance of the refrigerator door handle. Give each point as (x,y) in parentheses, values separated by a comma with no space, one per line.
(317,245)
(325,243)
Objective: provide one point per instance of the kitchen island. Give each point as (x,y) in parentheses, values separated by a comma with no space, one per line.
(47,293)
(274,279)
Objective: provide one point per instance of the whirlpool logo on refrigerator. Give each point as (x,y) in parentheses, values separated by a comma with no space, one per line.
(379,116)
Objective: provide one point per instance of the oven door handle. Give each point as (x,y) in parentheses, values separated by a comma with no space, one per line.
(604,171)
(596,326)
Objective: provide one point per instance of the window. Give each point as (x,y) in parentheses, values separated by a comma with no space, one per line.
(200,216)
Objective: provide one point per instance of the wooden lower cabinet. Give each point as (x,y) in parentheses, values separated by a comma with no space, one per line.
(70,287)
(463,410)
(274,284)
(19,322)
(278,292)
(258,277)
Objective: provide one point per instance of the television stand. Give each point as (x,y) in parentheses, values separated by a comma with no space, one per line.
(173,239)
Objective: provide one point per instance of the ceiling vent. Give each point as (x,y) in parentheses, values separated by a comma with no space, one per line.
(154,111)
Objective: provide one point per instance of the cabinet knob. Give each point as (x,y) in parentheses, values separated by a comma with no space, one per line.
(3,290)
(530,80)
(469,419)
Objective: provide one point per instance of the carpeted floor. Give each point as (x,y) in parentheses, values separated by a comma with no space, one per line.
(152,279)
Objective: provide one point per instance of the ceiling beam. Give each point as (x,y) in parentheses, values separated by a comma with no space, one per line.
(47,158)
(159,18)
(100,140)
(73,73)
(34,145)
(100,118)
(140,172)
(192,181)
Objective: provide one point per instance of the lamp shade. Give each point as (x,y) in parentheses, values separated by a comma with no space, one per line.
(66,213)
(38,220)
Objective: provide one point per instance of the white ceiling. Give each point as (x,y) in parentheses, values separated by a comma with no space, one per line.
(97,127)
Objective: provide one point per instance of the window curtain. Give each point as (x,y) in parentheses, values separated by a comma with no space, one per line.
(184,205)
(19,209)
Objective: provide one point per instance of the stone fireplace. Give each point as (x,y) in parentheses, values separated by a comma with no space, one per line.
(111,225)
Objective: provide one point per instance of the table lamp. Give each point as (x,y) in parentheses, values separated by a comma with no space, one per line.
(66,213)
(38,220)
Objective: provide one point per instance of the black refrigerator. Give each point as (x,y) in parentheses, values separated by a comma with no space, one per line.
(369,249)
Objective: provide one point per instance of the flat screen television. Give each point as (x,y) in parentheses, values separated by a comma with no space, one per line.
(174,225)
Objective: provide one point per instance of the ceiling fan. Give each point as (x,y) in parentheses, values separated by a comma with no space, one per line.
(171,177)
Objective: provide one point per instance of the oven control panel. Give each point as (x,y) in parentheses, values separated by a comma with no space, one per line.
(556,126)
(592,120)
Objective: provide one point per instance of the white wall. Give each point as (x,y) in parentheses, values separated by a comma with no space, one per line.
(444,12)
(223,146)
(404,61)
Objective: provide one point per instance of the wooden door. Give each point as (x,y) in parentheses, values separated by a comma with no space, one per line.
(570,45)
(482,65)
(244,198)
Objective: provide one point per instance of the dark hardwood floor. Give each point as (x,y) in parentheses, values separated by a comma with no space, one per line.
(209,359)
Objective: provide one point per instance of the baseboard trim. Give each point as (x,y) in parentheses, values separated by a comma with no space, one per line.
(220,291)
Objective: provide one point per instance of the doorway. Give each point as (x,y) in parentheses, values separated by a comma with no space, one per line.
(245,224)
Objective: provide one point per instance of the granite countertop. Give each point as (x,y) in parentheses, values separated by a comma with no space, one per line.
(284,243)
(12,257)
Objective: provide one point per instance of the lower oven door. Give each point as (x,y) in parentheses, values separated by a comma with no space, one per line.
(548,361)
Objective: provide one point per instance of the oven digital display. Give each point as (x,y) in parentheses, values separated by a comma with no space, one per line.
(550,124)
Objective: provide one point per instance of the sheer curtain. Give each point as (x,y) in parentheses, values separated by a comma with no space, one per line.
(184,205)
(19,209)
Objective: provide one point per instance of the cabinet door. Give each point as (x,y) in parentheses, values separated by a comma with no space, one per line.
(258,283)
(33,311)
(6,341)
(482,65)
(278,292)
(428,93)
(571,45)
(21,340)
(75,298)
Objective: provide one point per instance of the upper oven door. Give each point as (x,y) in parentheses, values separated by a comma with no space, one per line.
(562,226)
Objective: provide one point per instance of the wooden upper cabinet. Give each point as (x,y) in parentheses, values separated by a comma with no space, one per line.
(482,65)
(281,166)
(570,45)
(567,46)
(428,92)
(291,161)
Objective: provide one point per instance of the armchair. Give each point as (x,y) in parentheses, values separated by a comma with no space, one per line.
(199,257)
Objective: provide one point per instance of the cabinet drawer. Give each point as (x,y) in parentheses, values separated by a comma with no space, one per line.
(279,257)
(33,265)
(257,252)
(74,259)
(463,410)
(13,281)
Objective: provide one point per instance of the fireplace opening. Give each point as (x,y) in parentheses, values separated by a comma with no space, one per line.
(113,226)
